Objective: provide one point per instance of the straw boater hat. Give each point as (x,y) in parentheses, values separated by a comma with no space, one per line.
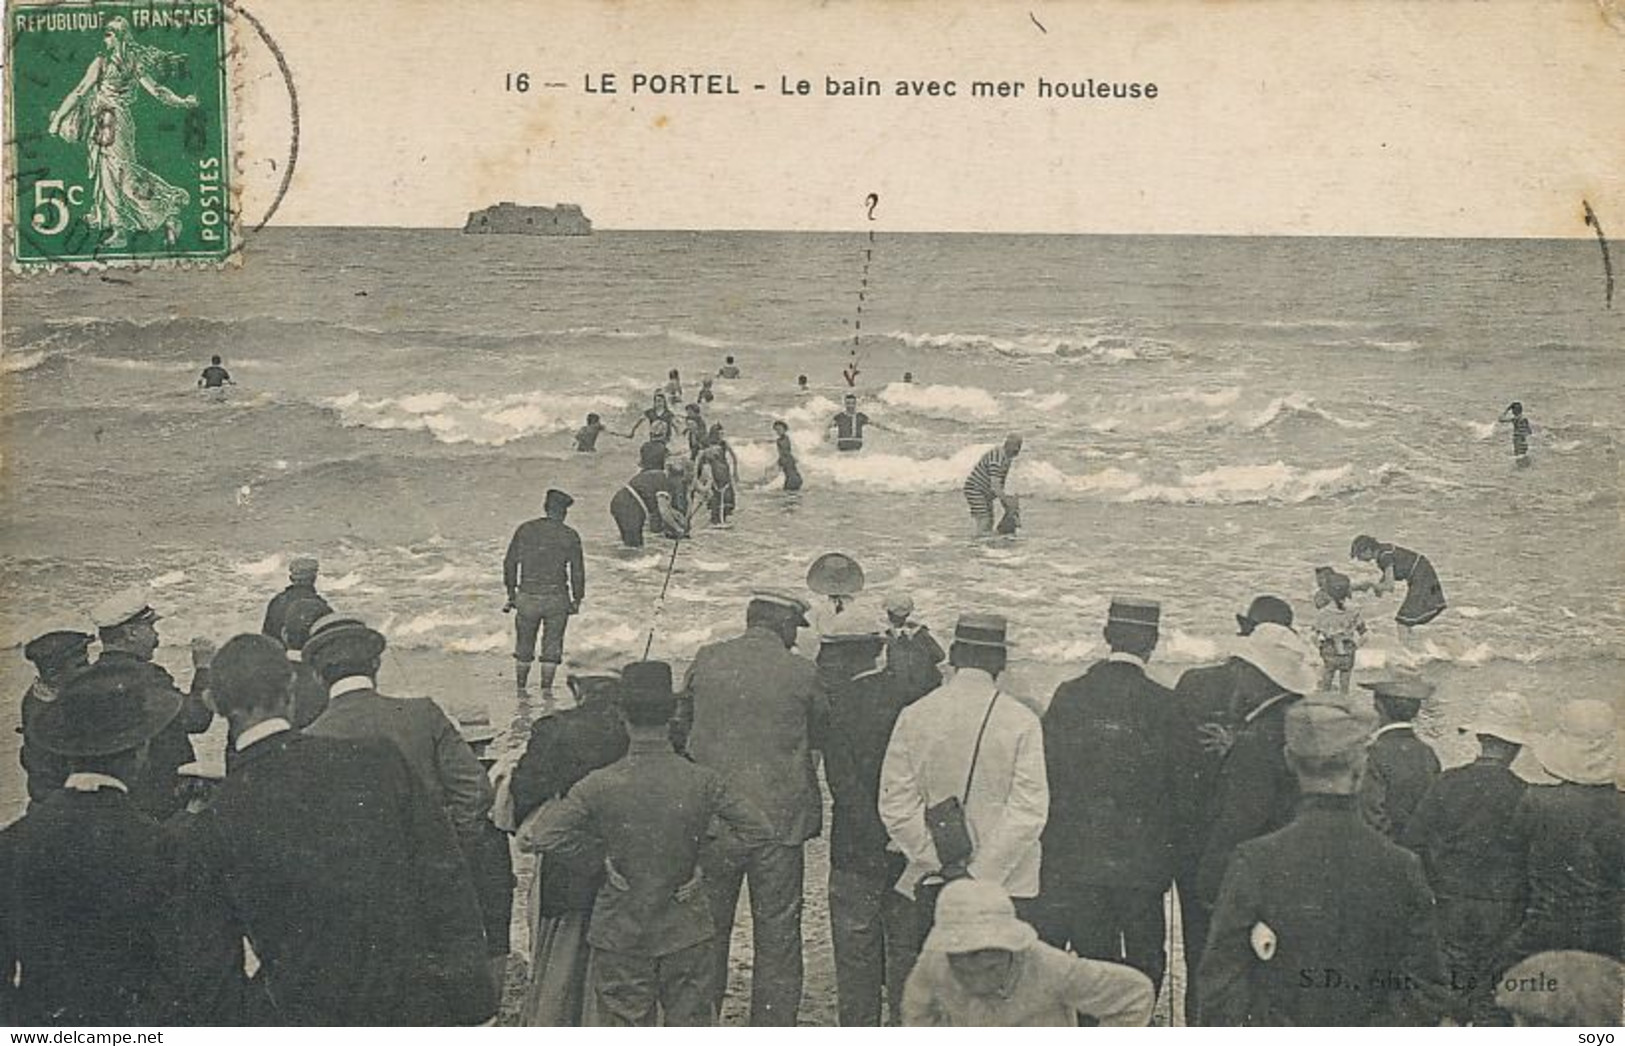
(1283,656)
(1584,748)
(132,604)
(108,708)
(835,574)
(1504,715)
(1140,613)
(336,636)
(973,915)
(1403,691)
(982,630)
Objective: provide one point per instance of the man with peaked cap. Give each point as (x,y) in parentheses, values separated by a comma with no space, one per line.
(1323,922)
(56,656)
(645,817)
(309,692)
(546,579)
(86,900)
(302,572)
(347,655)
(1112,749)
(332,857)
(1400,767)
(128,628)
(871,924)
(968,741)
(756,713)
(1572,836)
(1463,831)
(1252,791)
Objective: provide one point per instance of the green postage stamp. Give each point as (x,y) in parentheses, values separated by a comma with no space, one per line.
(117,134)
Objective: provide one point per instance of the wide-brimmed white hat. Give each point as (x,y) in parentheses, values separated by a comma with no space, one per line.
(973,915)
(1505,714)
(1282,655)
(1585,746)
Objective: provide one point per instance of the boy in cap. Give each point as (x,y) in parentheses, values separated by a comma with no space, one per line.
(545,575)
(1112,748)
(982,967)
(1338,628)
(1400,767)
(302,573)
(912,652)
(87,912)
(1463,831)
(1324,922)
(56,656)
(646,816)
(127,625)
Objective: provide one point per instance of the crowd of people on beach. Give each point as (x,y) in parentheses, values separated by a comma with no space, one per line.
(994,860)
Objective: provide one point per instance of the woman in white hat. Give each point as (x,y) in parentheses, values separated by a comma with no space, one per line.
(982,967)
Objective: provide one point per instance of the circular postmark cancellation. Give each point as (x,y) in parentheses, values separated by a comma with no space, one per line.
(119,133)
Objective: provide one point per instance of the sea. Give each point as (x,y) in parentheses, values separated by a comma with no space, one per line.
(1206,419)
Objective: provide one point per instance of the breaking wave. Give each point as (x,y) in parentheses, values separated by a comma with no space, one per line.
(489,421)
(953,402)
(1108,347)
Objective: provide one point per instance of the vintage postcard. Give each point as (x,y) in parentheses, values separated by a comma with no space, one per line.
(1084,511)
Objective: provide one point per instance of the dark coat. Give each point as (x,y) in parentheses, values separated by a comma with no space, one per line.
(563,749)
(1399,770)
(334,861)
(1254,792)
(1111,741)
(86,909)
(862,712)
(45,770)
(172,748)
(1352,921)
(913,656)
(276,611)
(1573,841)
(1217,695)
(1463,831)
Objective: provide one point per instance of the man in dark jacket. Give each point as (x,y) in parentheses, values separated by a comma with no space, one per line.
(871,924)
(1212,702)
(128,628)
(913,654)
(302,572)
(1400,767)
(87,913)
(1463,831)
(546,579)
(1110,740)
(1324,922)
(56,656)
(332,857)
(1572,835)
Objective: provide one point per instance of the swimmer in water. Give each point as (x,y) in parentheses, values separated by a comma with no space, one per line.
(787,457)
(985,485)
(730,370)
(719,466)
(662,422)
(647,503)
(1521,431)
(674,387)
(801,383)
(705,395)
(849,425)
(587,435)
(214,375)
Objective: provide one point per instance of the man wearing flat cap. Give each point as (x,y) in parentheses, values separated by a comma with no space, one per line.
(1111,740)
(968,741)
(645,817)
(1324,922)
(302,572)
(87,907)
(756,713)
(127,625)
(546,578)
(56,656)
(1400,767)
(1463,831)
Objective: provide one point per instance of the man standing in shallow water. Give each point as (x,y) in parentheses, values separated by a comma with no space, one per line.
(986,484)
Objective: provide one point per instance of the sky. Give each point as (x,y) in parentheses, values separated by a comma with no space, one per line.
(1366,117)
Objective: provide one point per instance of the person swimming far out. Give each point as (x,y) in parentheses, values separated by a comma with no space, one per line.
(986,485)
(647,502)
(674,386)
(662,422)
(801,383)
(1521,431)
(729,369)
(1424,596)
(786,462)
(706,393)
(214,376)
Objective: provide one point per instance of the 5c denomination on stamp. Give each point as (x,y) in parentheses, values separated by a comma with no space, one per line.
(117,134)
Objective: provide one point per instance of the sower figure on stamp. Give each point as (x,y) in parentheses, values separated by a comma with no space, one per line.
(871,924)
(645,817)
(1112,750)
(756,713)
(1324,922)
(128,627)
(1464,832)
(546,578)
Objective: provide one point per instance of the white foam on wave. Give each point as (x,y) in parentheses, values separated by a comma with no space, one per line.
(953,402)
(267,567)
(343,584)
(1296,403)
(18,362)
(490,421)
(174,577)
(1481,430)
(432,622)
(1250,484)
(1105,347)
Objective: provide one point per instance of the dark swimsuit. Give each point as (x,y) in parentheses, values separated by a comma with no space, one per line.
(1424,596)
